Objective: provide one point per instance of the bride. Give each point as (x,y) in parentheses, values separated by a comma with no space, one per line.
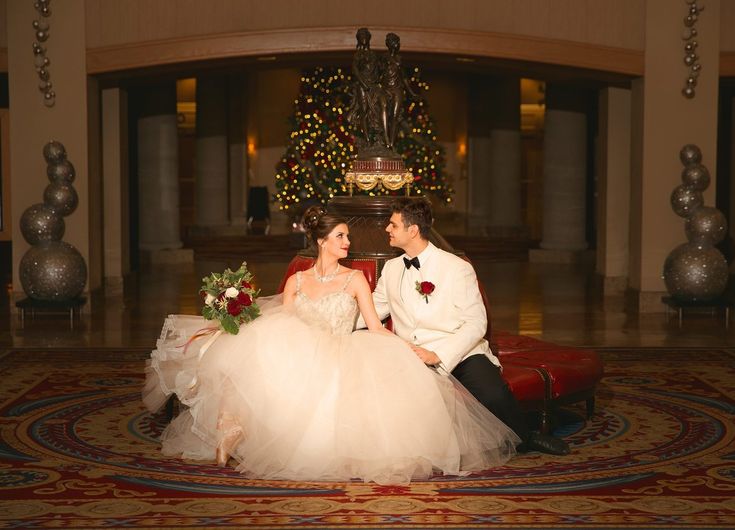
(297,394)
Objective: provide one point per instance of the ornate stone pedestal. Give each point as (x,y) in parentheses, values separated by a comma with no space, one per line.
(367,218)
(388,172)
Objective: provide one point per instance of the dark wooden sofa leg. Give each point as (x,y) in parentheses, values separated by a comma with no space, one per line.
(545,426)
(590,405)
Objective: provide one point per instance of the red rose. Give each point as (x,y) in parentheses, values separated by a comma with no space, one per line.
(427,288)
(203,294)
(244,299)
(246,285)
(234,308)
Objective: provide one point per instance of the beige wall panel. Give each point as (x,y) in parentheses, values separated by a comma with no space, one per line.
(603,34)
(727,20)
(670,121)
(3,24)
(32,124)
(727,38)
(3,37)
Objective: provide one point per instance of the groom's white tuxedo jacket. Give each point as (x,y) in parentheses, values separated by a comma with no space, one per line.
(452,322)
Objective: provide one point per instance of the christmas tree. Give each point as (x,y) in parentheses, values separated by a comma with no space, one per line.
(321,145)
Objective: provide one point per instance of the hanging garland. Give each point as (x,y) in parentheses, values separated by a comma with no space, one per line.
(41,61)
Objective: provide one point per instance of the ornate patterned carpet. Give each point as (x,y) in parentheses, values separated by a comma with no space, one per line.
(77,450)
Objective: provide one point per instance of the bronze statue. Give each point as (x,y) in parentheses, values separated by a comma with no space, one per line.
(378,93)
(367,96)
(394,84)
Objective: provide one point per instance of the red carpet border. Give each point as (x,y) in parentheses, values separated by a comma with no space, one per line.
(78,450)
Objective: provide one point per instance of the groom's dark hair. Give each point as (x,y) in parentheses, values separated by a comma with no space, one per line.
(415,211)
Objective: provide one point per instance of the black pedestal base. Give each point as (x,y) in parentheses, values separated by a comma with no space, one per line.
(71,307)
(712,305)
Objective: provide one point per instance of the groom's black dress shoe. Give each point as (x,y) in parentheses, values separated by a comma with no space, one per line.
(545,443)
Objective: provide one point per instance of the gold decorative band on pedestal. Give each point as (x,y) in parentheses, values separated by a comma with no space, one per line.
(367,181)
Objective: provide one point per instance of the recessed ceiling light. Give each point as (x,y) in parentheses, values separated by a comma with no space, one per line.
(267,58)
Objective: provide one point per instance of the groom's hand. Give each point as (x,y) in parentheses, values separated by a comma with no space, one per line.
(426,356)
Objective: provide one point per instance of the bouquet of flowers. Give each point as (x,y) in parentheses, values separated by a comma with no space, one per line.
(229,298)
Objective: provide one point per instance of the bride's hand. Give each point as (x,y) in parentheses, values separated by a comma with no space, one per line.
(428,357)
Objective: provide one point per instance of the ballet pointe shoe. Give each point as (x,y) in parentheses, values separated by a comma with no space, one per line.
(224,449)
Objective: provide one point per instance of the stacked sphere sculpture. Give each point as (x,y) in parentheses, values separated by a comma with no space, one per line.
(696,271)
(51,269)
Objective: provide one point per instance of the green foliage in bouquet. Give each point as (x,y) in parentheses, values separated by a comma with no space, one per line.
(229,298)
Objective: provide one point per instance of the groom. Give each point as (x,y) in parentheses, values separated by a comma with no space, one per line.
(435,304)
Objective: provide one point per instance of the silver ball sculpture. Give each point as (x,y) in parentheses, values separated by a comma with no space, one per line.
(61,197)
(695,176)
(685,199)
(41,223)
(52,270)
(706,226)
(696,271)
(63,170)
(690,154)
(42,30)
(690,57)
(54,152)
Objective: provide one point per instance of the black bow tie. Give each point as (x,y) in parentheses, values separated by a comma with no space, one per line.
(413,261)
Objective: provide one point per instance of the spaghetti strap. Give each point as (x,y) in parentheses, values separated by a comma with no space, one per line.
(349,277)
(298,282)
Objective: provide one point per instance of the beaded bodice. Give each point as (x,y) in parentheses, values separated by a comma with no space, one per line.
(334,312)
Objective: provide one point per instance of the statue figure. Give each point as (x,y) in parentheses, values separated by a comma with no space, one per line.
(395,86)
(368,99)
(378,94)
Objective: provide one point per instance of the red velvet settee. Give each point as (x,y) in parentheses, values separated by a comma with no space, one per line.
(540,374)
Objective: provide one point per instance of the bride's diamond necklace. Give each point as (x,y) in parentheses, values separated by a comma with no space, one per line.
(327,277)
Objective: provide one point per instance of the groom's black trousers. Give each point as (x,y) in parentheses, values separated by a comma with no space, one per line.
(482,378)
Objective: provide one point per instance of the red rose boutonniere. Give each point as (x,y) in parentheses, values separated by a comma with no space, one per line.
(425,289)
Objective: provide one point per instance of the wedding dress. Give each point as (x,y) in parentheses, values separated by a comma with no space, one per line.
(314,400)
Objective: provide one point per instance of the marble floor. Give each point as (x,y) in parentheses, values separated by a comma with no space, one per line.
(559,303)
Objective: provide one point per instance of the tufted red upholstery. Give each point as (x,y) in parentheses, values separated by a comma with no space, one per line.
(570,370)
(369,268)
(540,374)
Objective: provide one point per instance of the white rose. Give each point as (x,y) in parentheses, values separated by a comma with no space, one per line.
(231,292)
(209,300)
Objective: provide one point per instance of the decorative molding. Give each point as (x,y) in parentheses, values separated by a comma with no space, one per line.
(451,42)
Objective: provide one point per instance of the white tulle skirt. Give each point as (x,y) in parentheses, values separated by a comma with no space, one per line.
(317,406)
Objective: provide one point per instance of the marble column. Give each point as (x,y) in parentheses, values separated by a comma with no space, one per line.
(237,145)
(613,188)
(478,155)
(158,169)
(565,170)
(494,156)
(116,200)
(505,159)
(212,200)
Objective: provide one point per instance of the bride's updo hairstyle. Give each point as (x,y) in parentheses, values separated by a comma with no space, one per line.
(319,224)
